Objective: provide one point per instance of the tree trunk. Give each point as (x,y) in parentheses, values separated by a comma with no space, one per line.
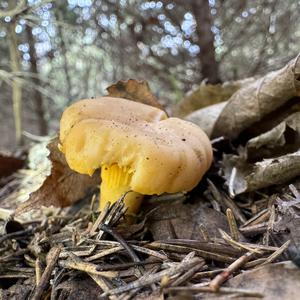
(37,96)
(205,39)
(63,49)
(16,85)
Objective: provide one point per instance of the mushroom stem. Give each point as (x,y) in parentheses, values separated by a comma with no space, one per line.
(115,182)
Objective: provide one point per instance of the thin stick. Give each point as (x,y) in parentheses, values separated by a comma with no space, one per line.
(222,290)
(204,232)
(141,282)
(120,212)
(258,218)
(65,254)
(234,243)
(254,263)
(130,294)
(13,256)
(15,276)
(277,253)
(93,200)
(114,209)
(238,214)
(207,274)
(222,277)
(38,271)
(266,238)
(16,234)
(232,224)
(294,191)
(150,252)
(259,247)
(125,265)
(77,264)
(183,249)
(226,202)
(100,218)
(104,253)
(254,229)
(40,288)
(189,274)
(135,247)
(117,237)
(103,285)
(215,246)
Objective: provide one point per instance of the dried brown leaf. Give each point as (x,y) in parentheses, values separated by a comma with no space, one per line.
(208,94)
(283,138)
(206,117)
(62,187)
(183,221)
(137,90)
(274,281)
(258,99)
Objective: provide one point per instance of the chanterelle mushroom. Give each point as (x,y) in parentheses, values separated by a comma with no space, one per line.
(137,147)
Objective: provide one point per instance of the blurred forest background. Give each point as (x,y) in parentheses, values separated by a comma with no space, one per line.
(54,52)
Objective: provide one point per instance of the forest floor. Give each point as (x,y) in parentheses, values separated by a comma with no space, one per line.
(179,247)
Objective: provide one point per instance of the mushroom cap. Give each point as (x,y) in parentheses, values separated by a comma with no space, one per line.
(163,154)
(108,108)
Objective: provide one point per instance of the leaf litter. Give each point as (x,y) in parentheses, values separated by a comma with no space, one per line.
(62,187)
(203,245)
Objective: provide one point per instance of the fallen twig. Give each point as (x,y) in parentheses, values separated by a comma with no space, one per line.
(222,290)
(224,275)
(177,269)
(44,281)
(232,225)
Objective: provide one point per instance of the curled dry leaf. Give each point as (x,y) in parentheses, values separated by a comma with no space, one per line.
(206,117)
(62,187)
(283,138)
(274,281)
(257,103)
(137,90)
(208,94)
(256,100)
(244,177)
(184,221)
(268,111)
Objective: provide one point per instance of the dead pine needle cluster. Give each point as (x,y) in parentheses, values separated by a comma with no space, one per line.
(52,255)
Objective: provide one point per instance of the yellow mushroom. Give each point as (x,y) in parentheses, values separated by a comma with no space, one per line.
(137,147)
